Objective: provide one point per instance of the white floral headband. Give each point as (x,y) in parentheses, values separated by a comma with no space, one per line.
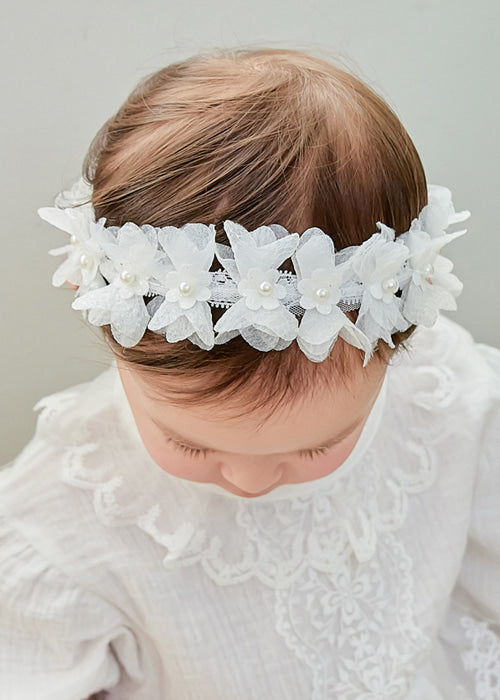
(394,282)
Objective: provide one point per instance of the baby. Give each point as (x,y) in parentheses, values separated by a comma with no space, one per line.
(286,483)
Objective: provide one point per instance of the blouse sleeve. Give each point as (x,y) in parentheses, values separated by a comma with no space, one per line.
(471,632)
(55,637)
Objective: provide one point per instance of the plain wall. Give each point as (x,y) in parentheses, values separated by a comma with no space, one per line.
(68,66)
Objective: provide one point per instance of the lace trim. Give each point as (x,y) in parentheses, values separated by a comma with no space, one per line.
(482,658)
(272,541)
(53,407)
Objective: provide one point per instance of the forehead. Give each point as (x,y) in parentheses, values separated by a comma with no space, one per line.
(299,422)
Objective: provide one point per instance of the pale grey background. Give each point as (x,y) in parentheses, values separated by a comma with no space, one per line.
(68,65)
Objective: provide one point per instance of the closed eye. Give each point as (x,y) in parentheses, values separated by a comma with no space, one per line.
(192,451)
(199,452)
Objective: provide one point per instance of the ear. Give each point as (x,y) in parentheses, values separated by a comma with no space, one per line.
(73,286)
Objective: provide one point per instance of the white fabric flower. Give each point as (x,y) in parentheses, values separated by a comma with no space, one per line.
(260,289)
(323,321)
(80,193)
(252,261)
(321,291)
(432,286)
(187,285)
(439,213)
(132,261)
(84,253)
(379,265)
(183,311)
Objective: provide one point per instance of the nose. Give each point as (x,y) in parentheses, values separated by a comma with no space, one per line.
(251,476)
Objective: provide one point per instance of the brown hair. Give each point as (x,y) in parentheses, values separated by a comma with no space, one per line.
(257,136)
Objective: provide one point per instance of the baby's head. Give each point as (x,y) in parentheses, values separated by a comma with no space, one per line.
(256,137)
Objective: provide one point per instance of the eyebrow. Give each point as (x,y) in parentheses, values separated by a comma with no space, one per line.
(171,433)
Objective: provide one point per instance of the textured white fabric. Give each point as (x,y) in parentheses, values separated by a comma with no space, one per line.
(380,580)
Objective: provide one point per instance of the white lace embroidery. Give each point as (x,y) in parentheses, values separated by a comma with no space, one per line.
(52,407)
(353,626)
(483,657)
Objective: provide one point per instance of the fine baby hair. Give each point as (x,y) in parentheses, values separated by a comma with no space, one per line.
(228,154)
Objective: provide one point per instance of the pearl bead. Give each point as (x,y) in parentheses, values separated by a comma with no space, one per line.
(85,261)
(428,270)
(74,240)
(390,285)
(265,287)
(185,288)
(322,293)
(127,276)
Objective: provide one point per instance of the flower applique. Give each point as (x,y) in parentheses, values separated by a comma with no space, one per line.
(183,311)
(439,212)
(79,193)
(320,288)
(132,261)
(81,267)
(252,259)
(432,287)
(379,264)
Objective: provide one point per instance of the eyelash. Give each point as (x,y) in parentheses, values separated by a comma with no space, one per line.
(197,452)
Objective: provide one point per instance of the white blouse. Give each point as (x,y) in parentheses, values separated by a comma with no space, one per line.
(378,581)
